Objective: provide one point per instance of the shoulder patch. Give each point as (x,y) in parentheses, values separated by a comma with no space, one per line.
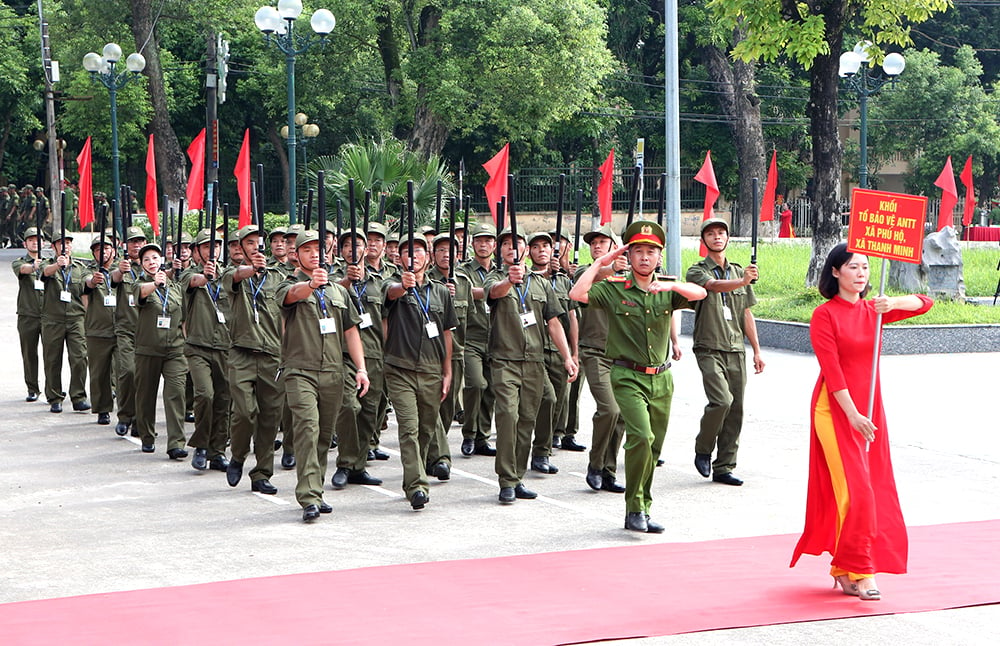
(616,279)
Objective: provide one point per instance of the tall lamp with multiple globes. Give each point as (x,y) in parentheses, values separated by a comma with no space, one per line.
(866,81)
(278,27)
(103,69)
(309,133)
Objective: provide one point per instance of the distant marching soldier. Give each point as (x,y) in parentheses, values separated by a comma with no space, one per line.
(30,290)
(276,245)
(379,265)
(289,268)
(640,305)
(566,423)
(62,326)
(123,279)
(100,326)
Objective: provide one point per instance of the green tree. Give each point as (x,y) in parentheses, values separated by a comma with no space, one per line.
(20,100)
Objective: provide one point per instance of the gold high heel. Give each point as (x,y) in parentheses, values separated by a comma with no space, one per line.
(847,586)
(869,594)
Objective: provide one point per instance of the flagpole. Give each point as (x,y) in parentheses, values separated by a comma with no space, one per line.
(877,349)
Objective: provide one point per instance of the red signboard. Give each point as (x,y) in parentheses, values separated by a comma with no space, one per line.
(887,225)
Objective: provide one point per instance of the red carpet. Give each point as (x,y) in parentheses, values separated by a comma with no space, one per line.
(552,598)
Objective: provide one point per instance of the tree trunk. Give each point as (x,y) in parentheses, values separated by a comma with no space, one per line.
(429,134)
(170,162)
(278,143)
(739,101)
(388,48)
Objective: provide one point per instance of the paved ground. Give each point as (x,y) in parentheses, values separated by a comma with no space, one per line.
(84,511)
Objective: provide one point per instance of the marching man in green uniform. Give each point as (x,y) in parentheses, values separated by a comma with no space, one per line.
(206,312)
(640,307)
(100,327)
(521,303)
(62,326)
(30,290)
(721,321)
(319,325)
(255,327)
(123,279)
(421,317)
(384,271)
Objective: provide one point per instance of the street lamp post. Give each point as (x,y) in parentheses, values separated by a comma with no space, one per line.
(278,26)
(102,68)
(309,132)
(866,82)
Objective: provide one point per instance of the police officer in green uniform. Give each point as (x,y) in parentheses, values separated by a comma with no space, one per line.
(206,316)
(555,396)
(30,290)
(477,390)
(255,327)
(721,321)
(319,324)
(521,303)
(276,245)
(359,415)
(62,326)
(290,268)
(123,279)
(386,271)
(640,305)
(100,326)
(565,424)
(159,352)
(418,370)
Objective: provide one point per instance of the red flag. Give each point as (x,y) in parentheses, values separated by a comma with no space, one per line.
(242,173)
(86,185)
(970,193)
(152,205)
(196,180)
(706,175)
(605,187)
(770,187)
(496,187)
(949,195)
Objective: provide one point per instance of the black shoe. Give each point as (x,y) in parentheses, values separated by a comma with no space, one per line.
(234,473)
(219,463)
(378,454)
(703,462)
(595,478)
(287,461)
(609,484)
(56,407)
(557,441)
(133,431)
(339,479)
(485,449)
(569,443)
(121,429)
(659,463)
(540,463)
(507,495)
(442,471)
(189,416)
(523,493)
(325,508)
(310,513)
(176,454)
(263,486)
(459,417)
(104,419)
(200,459)
(636,521)
(418,500)
(148,448)
(81,405)
(727,478)
(468,446)
(32,397)
(277,444)
(654,527)
(362,478)
(334,441)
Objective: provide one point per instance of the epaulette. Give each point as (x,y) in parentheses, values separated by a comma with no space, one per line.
(616,279)
(665,277)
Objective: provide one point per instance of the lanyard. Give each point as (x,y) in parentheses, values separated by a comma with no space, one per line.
(718,276)
(67,276)
(163,297)
(524,295)
(425,306)
(255,289)
(359,293)
(321,297)
(107,278)
(214,295)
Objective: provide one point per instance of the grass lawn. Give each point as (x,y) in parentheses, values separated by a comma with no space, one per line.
(781,294)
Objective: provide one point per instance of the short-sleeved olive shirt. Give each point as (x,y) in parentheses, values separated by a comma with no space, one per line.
(477,324)
(69,280)
(713,329)
(254,310)
(303,346)
(510,338)
(408,344)
(29,299)
(167,301)
(126,312)
(366,298)
(206,312)
(463,303)
(100,319)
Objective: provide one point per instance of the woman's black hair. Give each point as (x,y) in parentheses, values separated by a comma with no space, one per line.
(829,286)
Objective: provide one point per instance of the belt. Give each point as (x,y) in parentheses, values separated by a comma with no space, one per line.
(646,370)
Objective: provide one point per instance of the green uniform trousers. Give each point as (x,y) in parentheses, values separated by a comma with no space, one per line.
(381,416)
(209,370)
(148,371)
(125,383)
(644,401)
(100,359)
(353,436)
(518,387)
(373,408)
(477,396)
(609,427)
(416,399)
(569,424)
(554,395)
(438,451)
(314,398)
(256,400)
(55,335)
(724,375)
(29,330)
